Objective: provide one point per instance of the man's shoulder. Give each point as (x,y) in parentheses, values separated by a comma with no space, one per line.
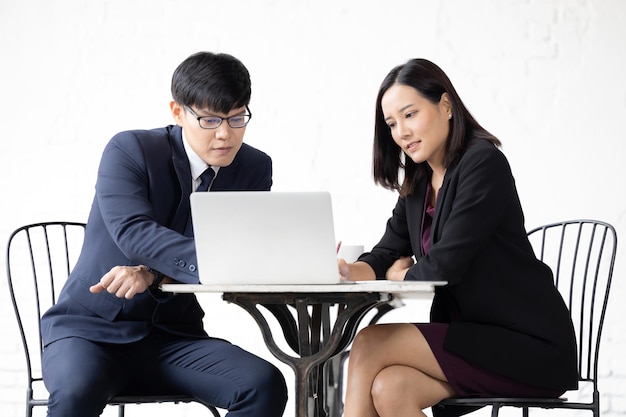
(250,153)
(150,143)
(163,133)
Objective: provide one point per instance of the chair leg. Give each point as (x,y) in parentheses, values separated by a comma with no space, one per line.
(120,410)
(524,411)
(495,409)
(211,408)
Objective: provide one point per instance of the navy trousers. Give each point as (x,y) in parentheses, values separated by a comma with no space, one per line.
(81,375)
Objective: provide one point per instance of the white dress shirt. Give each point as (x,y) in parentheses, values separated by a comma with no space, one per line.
(196,164)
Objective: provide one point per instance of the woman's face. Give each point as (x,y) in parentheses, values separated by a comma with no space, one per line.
(418,126)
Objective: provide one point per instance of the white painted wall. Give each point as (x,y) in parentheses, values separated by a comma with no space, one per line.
(546,76)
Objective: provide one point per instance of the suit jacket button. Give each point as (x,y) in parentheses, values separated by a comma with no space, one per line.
(192,268)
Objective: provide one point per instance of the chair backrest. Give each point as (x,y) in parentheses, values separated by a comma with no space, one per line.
(39,259)
(581,254)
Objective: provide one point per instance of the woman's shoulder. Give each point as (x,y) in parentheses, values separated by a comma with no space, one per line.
(482,146)
(483,151)
(483,157)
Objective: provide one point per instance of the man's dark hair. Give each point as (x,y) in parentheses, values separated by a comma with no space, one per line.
(218,82)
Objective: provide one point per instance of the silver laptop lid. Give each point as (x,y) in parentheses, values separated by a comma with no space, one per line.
(261,237)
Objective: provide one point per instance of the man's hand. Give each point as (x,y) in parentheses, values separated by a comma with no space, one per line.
(124,281)
(398,270)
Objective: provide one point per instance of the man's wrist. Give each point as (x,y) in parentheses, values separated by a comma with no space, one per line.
(158,277)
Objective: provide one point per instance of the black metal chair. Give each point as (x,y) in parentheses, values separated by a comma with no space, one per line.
(581,254)
(39,258)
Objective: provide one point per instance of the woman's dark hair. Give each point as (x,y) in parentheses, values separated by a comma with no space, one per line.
(219,82)
(430,82)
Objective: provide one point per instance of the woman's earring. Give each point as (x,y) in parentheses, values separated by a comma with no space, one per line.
(450,116)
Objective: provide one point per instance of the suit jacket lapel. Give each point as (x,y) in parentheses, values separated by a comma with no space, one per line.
(180,162)
(441,202)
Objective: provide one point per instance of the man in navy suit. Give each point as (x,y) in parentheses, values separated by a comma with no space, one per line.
(113,331)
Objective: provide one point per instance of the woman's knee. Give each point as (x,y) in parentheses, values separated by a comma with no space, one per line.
(389,388)
(366,340)
(402,387)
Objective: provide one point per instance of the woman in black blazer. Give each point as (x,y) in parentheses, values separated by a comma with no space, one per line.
(499,327)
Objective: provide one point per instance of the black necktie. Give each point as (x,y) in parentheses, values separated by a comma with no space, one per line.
(206,178)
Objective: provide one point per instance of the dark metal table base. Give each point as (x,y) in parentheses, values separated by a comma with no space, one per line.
(309,330)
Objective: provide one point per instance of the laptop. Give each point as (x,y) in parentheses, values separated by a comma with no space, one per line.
(264,237)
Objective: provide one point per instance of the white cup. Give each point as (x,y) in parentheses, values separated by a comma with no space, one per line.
(350,252)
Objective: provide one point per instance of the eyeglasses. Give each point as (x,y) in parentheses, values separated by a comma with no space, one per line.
(213,122)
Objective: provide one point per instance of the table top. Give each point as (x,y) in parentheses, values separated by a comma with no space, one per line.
(395,287)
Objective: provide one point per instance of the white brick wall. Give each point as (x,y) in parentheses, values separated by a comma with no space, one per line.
(546,76)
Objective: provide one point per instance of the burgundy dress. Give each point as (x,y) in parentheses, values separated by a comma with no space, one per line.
(468,380)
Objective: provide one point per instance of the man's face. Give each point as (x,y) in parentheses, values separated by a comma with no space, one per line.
(217,147)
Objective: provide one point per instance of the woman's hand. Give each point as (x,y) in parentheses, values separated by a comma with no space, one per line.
(358,271)
(344,269)
(398,270)
(125,281)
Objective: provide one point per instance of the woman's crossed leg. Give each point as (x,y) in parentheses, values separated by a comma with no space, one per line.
(393,372)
